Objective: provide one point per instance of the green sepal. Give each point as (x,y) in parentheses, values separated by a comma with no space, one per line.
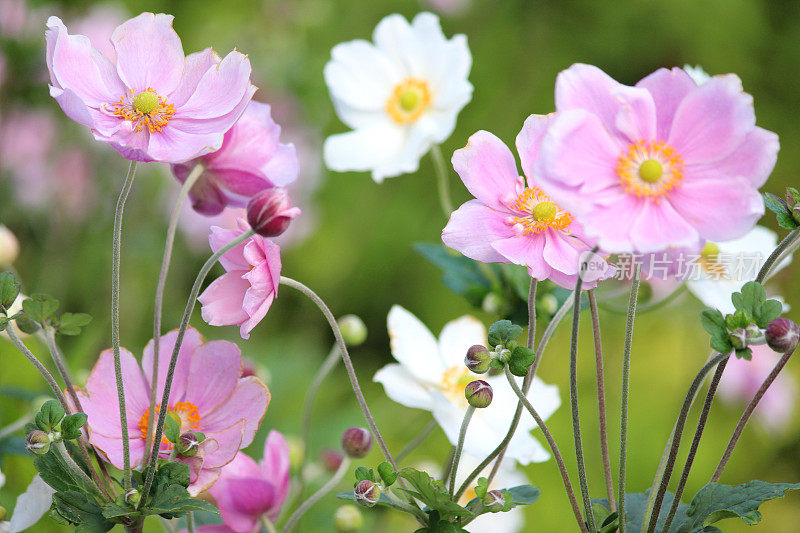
(502,332)
(365,474)
(26,324)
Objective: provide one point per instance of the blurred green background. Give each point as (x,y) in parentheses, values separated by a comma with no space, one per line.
(359,256)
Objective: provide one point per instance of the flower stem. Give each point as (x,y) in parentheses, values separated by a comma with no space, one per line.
(75,471)
(317,496)
(115,263)
(348,363)
(419,439)
(462,435)
(556,453)
(443,180)
(626,376)
(189,521)
(268,525)
(777,254)
(328,365)
(48,377)
(191,179)
(187,314)
(601,400)
(737,432)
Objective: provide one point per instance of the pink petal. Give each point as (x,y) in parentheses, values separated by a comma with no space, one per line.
(753,160)
(525,250)
(228,441)
(473,228)
(197,64)
(173,145)
(610,223)
(256,304)
(111,447)
(659,226)
(275,467)
(529,142)
(248,402)
(668,88)
(149,53)
(561,251)
(219,91)
(488,170)
(243,501)
(233,258)
(222,301)
(205,480)
(712,121)
(241,466)
(213,374)
(192,340)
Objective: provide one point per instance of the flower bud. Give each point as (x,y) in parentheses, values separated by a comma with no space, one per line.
(38,442)
(9,247)
(297,450)
(367,493)
(270,212)
(132,497)
(782,335)
(331,460)
(188,444)
(738,338)
(494,501)
(356,442)
(347,519)
(3,513)
(478,393)
(478,359)
(353,329)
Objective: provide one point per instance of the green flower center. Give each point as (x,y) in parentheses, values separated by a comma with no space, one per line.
(651,171)
(544,211)
(409,100)
(710,251)
(145,102)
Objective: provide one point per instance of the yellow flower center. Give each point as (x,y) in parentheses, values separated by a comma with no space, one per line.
(710,261)
(710,251)
(409,99)
(144,110)
(539,212)
(454,381)
(650,169)
(185,412)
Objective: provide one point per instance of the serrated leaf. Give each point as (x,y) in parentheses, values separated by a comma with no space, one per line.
(432,493)
(635,504)
(744,353)
(82,511)
(26,324)
(713,321)
(721,344)
(49,416)
(173,473)
(482,487)
(40,307)
(71,426)
(9,290)
(775,204)
(767,312)
(365,474)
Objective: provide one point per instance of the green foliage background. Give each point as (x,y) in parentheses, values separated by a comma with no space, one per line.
(360,257)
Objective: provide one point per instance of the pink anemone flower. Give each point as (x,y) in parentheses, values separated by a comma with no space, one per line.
(153,103)
(243,295)
(208,394)
(251,159)
(666,163)
(512,220)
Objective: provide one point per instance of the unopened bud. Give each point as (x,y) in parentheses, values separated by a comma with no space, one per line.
(9,247)
(38,442)
(796,213)
(782,335)
(3,513)
(270,212)
(353,329)
(478,393)
(356,442)
(494,501)
(297,450)
(348,519)
(132,497)
(738,338)
(367,493)
(478,359)
(331,460)
(188,444)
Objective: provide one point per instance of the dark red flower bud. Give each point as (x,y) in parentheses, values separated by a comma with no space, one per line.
(782,335)
(478,393)
(367,493)
(478,359)
(331,459)
(356,442)
(494,501)
(270,212)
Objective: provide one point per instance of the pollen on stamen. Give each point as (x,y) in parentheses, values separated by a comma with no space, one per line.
(144,110)
(538,213)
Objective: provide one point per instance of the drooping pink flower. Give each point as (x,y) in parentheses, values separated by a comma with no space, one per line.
(512,220)
(242,296)
(742,378)
(664,163)
(208,394)
(153,104)
(251,159)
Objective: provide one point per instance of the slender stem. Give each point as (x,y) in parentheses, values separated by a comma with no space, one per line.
(777,254)
(48,377)
(191,179)
(115,263)
(443,180)
(190,522)
(267,523)
(553,447)
(317,496)
(448,467)
(187,314)
(548,333)
(58,359)
(698,434)
(76,472)
(462,435)
(573,394)
(419,439)
(601,400)
(348,363)
(328,365)
(737,432)
(626,376)
(678,433)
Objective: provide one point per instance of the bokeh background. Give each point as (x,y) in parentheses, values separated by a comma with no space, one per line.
(354,243)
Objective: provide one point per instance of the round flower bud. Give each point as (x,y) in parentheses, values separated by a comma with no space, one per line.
(38,442)
(132,497)
(478,393)
(356,442)
(367,493)
(270,212)
(331,460)
(188,444)
(9,247)
(348,519)
(353,329)
(3,513)
(782,335)
(478,359)
(494,501)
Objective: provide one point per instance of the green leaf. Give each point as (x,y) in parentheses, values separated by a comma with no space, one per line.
(460,274)
(524,494)
(716,502)
(173,501)
(502,332)
(721,344)
(749,298)
(113,510)
(713,322)
(71,323)
(744,353)
(172,428)
(82,511)
(432,493)
(9,290)
(792,195)
(775,204)
(635,504)
(482,487)
(365,474)
(786,221)
(54,473)
(767,312)
(49,416)
(40,307)
(387,472)
(173,473)
(26,324)
(71,426)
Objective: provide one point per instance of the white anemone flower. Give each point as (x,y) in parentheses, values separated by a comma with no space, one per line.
(400,94)
(431,375)
(724,267)
(30,507)
(507,477)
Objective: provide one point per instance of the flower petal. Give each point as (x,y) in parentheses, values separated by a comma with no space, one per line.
(222,301)
(219,91)
(248,402)
(192,340)
(525,250)
(659,226)
(197,64)
(377,145)
(228,442)
(529,143)
(473,228)
(31,505)
(488,170)
(754,159)
(214,370)
(668,89)
(403,387)
(414,346)
(457,337)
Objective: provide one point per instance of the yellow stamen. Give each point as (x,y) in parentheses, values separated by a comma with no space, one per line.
(409,99)
(543,213)
(144,110)
(710,251)
(650,169)
(185,413)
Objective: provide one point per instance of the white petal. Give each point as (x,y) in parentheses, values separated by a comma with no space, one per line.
(414,346)
(403,388)
(457,337)
(364,149)
(31,505)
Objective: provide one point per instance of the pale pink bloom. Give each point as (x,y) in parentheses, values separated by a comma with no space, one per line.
(154,104)
(512,220)
(742,378)
(98,25)
(208,394)
(665,163)
(242,296)
(251,159)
